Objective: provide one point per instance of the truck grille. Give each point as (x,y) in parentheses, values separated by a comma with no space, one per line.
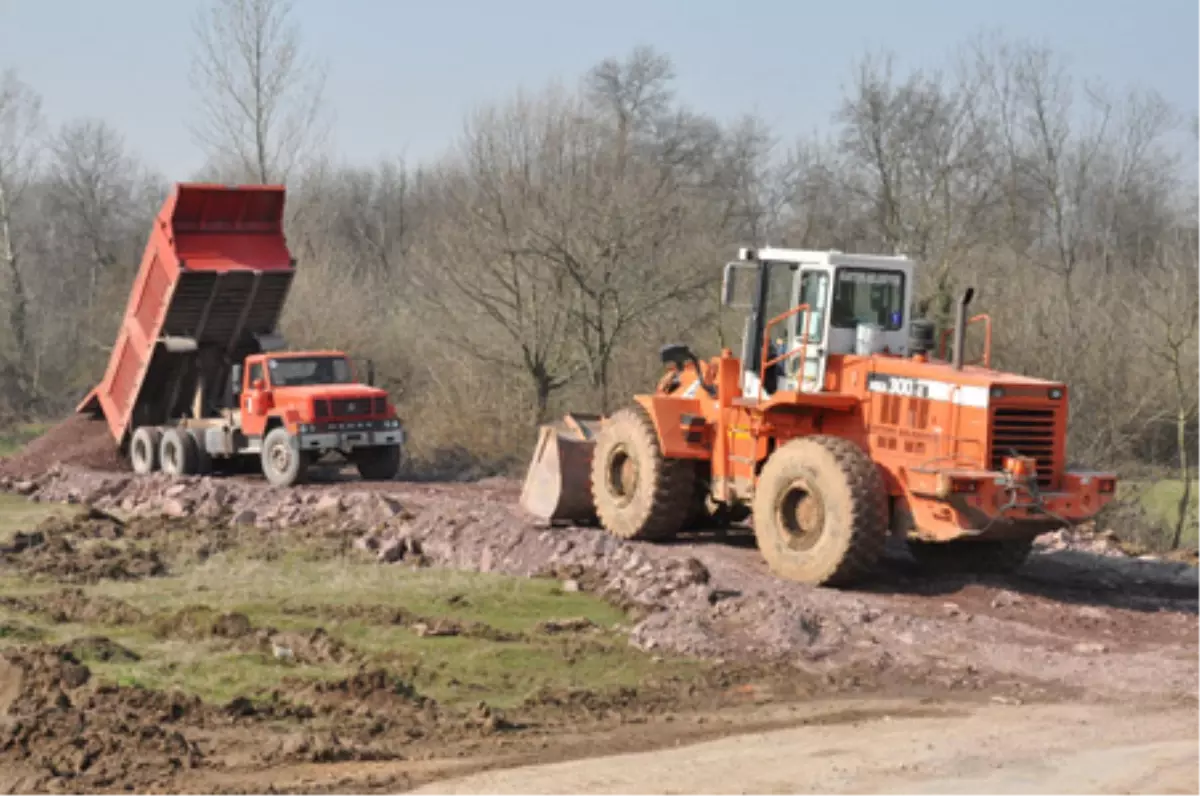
(351,407)
(1030,432)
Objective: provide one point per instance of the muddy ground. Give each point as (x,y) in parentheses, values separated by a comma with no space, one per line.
(1082,622)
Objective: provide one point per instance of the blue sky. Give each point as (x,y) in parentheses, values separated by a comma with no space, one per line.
(403,73)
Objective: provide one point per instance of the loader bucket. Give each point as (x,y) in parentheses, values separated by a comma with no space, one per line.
(558,486)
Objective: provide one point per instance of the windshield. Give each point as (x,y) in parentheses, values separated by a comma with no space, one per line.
(865,296)
(302,371)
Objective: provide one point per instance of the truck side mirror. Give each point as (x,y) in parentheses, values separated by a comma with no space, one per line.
(370,373)
(258,384)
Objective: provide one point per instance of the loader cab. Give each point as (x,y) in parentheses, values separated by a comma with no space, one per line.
(808,305)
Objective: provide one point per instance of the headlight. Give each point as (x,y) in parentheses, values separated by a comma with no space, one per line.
(997,392)
(1055,394)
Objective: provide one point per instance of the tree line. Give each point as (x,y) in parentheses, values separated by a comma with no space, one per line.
(541,260)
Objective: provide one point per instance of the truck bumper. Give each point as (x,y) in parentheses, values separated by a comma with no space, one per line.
(347,439)
(982,505)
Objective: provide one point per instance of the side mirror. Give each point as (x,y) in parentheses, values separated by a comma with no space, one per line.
(258,384)
(370,373)
(729,283)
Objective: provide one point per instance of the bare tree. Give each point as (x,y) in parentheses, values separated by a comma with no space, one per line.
(1166,302)
(93,183)
(20,123)
(262,111)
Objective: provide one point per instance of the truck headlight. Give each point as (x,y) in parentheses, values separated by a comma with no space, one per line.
(1055,394)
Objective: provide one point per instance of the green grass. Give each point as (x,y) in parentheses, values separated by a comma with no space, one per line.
(351,598)
(14,438)
(20,514)
(1159,499)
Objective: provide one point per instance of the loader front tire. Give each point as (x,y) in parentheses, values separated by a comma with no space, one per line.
(638,493)
(143,449)
(820,511)
(178,453)
(282,463)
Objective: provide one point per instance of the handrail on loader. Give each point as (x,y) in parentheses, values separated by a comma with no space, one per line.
(986,358)
(768,363)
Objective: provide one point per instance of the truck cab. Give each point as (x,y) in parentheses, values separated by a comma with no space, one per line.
(313,404)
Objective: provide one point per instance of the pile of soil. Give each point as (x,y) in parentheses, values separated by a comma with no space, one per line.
(79,441)
(83,550)
(65,731)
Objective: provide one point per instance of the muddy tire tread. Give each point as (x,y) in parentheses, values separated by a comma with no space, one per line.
(867,508)
(674,484)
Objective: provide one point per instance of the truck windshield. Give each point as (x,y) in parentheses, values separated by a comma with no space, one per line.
(301,371)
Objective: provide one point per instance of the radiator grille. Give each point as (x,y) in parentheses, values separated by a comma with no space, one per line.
(1028,432)
(351,407)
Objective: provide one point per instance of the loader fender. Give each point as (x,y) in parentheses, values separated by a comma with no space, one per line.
(683,431)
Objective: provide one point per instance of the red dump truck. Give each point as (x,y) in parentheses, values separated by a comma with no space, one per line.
(199,374)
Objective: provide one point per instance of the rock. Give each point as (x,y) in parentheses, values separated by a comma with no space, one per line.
(174,507)
(244,517)
(175,491)
(393,549)
(951,609)
(328,503)
(1004,599)
(1090,648)
(24,487)
(570,586)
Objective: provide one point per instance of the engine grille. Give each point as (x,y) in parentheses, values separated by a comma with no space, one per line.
(1030,432)
(351,407)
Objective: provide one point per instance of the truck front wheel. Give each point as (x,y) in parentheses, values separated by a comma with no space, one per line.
(282,462)
(378,464)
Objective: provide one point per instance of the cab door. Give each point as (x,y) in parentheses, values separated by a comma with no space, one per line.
(812,287)
(254,399)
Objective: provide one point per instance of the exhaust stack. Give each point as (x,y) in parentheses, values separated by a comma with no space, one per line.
(960,327)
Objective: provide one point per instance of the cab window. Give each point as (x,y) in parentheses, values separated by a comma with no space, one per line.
(866,296)
(256,373)
(814,291)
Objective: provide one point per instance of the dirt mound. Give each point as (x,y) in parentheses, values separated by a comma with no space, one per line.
(82,550)
(79,441)
(68,733)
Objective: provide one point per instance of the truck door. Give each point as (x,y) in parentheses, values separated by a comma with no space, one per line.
(254,403)
(812,288)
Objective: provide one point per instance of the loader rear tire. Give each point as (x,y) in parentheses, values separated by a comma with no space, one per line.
(638,493)
(178,453)
(143,449)
(283,463)
(992,557)
(820,511)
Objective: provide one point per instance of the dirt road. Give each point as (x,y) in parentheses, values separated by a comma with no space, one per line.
(901,747)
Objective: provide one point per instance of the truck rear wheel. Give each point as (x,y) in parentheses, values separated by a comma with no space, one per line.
(177,453)
(378,464)
(282,462)
(638,493)
(820,511)
(143,449)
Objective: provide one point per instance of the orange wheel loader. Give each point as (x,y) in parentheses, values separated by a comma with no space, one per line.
(843,419)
